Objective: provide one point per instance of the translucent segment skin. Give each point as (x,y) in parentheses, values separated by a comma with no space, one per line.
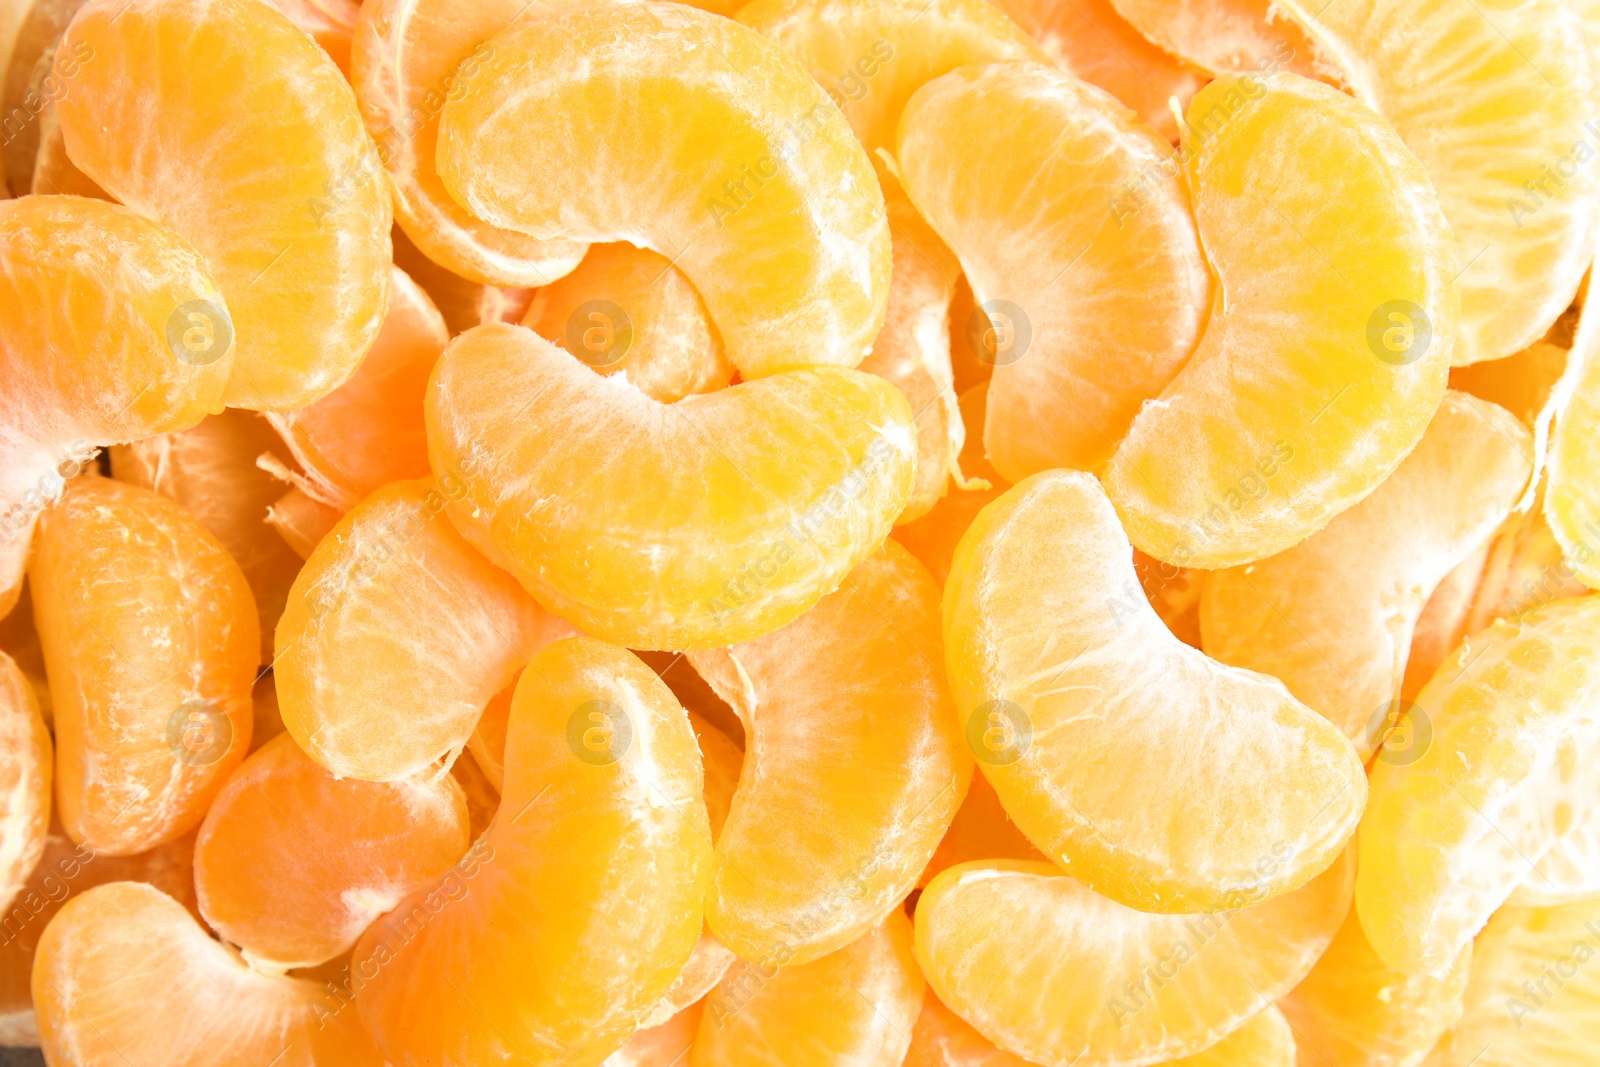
(1353,1010)
(407,58)
(1057,974)
(396,635)
(1532,384)
(912,352)
(86,292)
(933,537)
(329,22)
(1571,502)
(981,830)
(292,864)
(292,214)
(1332,617)
(663,339)
(1570,870)
(1227,36)
(666,1045)
(870,56)
(710,530)
(369,431)
(151,643)
(1061,204)
(210,469)
(857,1005)
(302,520)
(19,639)
(463,303)
(853,767)
(1093,41)
(29,32)
(779,225)
(706,967)
(216,1010)
(1494,100)
(1224,785)
(1286,415)
(53,173)
(1512,735)
(25,768)
(1534,994)
(579,906)
(64,871)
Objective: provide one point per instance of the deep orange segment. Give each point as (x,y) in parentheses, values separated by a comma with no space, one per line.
(25,769)
(151,642)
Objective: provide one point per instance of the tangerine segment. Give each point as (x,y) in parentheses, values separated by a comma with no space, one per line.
(1224,785)
(463,303)
(25,766)
(65,870)
(1352,1010)
(151,643)
(20,640)
(292,864)
(1058,974)
(666,1045)
(1227,36)
(1071,222)
(329,22)
(1330,333)
(1570,870)
(289,209)
(88,295)
(407,58)
(933,537)
(1495,100)
(214,1009)
(1572,502)
(706,967)
(1534,994)
(396,635)
(853,766)
(751,184)
(302,520)
(577,909)
(870,56)
(1094,42)
(1533,385)
(981,830)
(369,431)
(1332,617)
(210,469)
(53,173)
(912,352)
(690,525)
(857,1005)
(1500,750)
(628,310)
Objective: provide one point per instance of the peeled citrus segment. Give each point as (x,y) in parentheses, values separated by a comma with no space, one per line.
(1498,751)
(627,310)
(857,1005)
(1332,617)
(933,537)
(302,520)
(369,431)
(396,635)
(689,525)
(1226,787)
(1352,1010)
(1532,384)
(211,470)
(1570,870)
(912,352)
(266,722)
(329,22)
(463,303)
(488,741)
(53,173)
(64,871)
(871,55)
(407,58)
(579,906)
(981,830)
(755,189)
(1495,100)
(25,766)
(289,208)
(30,31)
(1572,501)
(666,1045)
(89,293)
(825,839)
(19,639)
(1534,994)
(1093,41)
(1071,222)
(706,967)
(944,1039)
(292,864)
(131,936)
(1175,594)
(1058,974)
(1330,335)
(151,641)
(1227,36)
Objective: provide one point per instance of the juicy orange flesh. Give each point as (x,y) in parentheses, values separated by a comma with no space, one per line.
(25,770)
